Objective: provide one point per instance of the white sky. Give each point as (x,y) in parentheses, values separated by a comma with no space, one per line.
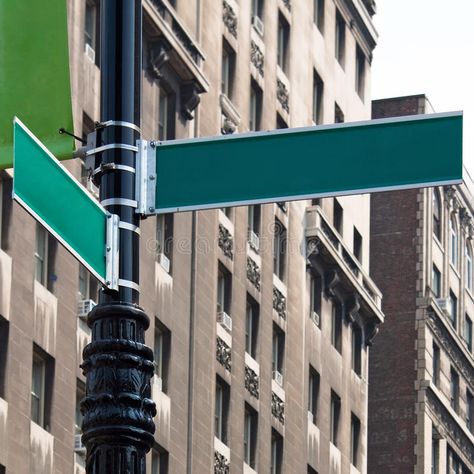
(427,46)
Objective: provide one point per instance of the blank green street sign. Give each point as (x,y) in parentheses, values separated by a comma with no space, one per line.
(55,198)
(284,165)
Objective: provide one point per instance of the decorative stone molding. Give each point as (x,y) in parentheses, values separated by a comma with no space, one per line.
(279,303)
(287,4)
(251,382)
(462,364)
(226,242)
(452,427)
(283,95)
(278,408)
(253,273)
(221,464)
(189,99)
(224,354)
(257,57)
(230,19)
(157,57)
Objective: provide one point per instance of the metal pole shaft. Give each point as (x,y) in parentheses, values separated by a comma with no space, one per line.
(118,411)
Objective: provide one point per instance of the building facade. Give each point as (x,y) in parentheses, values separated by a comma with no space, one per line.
(261,316)
(422,367)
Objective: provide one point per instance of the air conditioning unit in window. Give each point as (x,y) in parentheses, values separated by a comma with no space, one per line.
(84,307)
(445,305)
(164,261)
(254,240)
(257,23)
(224,320)
(90,52)
(278,378)
(315,317)
(79,448)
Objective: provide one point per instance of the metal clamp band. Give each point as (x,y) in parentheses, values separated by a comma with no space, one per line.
(120,123)
(112,146)
(112,166)
(129,284)
(130,227)
(119,202)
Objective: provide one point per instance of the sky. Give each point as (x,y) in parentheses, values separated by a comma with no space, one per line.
(427,47)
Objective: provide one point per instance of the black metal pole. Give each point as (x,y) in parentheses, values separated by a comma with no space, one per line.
(118,411)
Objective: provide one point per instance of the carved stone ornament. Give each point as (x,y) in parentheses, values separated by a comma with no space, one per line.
(226,242)
(278,408)
(230,19)
(251,382)
(221,464)
(283,95)
(279,303)
(455,433)
(371,330)
(253,273)
(462,364)
(157,57)
(224,354)
(256,57)
(189,99)
(287,4)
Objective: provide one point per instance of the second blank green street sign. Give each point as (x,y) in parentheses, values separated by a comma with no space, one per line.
(281,165)
(56,199)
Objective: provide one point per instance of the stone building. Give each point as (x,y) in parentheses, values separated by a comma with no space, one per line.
(422,367)
(261,316)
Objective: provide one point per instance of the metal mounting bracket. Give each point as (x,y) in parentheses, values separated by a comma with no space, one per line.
(112,252)
(145,184)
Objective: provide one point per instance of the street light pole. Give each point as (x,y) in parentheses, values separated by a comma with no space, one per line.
(118,411)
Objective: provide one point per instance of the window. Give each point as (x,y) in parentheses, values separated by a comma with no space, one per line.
(340,45)
(276,453)
(164,240)
(224,290)
(357,245)
(316,291)
(283,43)
(254,226)
(255,115)
(319,14)
(278,350)
(313,394)
(454,390)
(318,89)
(337,216)
(91,30)
(250,436)
(360,72)
(221,410)
(166,113)
(356,349)
(355,435)
(468,268)
(454,242)
(4,330)
(251,327)
(336,326)
(436,364)
(335,415)
(41,255)
(161,353)
(469,411)
(279,250)
(453,310)
(338,114)
(437,214)
(228,70)
(41,387)
(468,331)
(436,282)
(159,461)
